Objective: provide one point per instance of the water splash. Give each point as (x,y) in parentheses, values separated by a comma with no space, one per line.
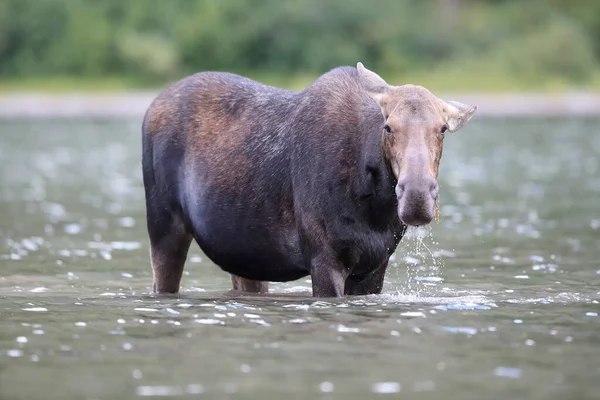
(423,260)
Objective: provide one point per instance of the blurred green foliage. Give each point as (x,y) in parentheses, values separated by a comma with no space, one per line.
(154,41)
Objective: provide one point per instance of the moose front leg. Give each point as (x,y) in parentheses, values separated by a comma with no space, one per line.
(370,283)
(328,276)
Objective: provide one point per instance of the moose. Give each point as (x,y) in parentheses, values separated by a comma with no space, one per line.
(276,185)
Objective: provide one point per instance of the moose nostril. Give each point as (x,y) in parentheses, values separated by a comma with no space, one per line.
(399,189)
(434,189)
(401,186)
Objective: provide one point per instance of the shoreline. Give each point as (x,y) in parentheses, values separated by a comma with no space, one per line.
(134,104)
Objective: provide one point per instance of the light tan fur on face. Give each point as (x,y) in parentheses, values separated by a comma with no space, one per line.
(415,116)
(417,120)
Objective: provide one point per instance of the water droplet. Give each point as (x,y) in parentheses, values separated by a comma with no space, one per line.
(326,387)
(106,254)
(22,339)
(507,372)
(429,279)
(195,389)
(342,328)
(460,329)
(127,222)
(245,368)
(413,314)
(14,353)
(386,387)
(164,391)
(72,229)
(209,321)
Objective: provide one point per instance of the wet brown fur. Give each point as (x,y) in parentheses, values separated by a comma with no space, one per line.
(275,185)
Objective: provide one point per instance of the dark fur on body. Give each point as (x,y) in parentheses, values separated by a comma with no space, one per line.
(273,185)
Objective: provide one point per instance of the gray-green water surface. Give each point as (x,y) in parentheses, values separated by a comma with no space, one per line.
(498,300)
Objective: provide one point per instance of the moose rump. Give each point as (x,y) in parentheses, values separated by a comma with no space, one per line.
(273,185)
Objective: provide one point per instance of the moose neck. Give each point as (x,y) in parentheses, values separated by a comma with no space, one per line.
(377,181)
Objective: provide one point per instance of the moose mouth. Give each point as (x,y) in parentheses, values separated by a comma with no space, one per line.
(417,207)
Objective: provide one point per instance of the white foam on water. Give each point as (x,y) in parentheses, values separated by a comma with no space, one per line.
(209,321)
(464,302)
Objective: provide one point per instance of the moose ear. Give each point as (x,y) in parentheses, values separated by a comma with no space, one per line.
(458,114)
(371,82)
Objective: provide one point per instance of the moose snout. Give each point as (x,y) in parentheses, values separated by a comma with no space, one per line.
(416,200)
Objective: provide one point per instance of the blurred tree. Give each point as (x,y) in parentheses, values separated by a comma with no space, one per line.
(158,40)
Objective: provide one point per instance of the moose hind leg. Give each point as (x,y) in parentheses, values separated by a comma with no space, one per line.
(169,245)
(248,285)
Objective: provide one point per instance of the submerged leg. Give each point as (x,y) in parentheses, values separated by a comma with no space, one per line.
(248,285)
(328,276)
(371,283)
(169,245)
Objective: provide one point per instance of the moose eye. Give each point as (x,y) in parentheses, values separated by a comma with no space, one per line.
(387,129)
(444,129)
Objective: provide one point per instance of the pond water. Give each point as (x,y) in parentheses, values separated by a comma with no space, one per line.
(500,299)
